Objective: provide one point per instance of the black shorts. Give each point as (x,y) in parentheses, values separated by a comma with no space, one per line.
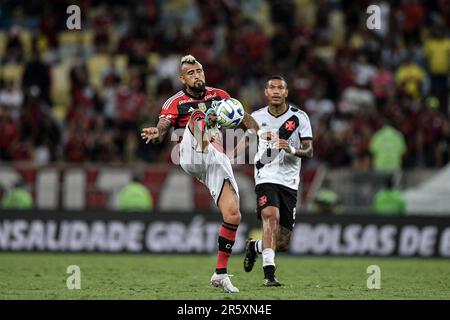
(276,195)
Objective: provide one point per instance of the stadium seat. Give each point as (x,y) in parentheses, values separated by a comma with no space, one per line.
(153,60)
(59,112)
(70,42)
(96,64)
(11,72)
(68,38)
(121,62)
(27,42)
(60,84)
(2,43)
(87,38)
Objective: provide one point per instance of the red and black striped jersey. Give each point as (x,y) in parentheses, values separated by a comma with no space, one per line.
(178,108)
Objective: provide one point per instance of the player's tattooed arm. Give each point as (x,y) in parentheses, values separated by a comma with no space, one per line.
(163,127)
(306,151)
(158,133)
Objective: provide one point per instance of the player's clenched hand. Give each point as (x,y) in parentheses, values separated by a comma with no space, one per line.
(268,135)
(282,144)
(150,133)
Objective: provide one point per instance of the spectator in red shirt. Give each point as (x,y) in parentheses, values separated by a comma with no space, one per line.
(9,135)
(75,145)
(382,85)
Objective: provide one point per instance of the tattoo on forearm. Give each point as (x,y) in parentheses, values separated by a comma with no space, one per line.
(163,126)
(306,151)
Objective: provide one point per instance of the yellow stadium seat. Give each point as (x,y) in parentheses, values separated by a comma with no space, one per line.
(96,64)
(87,38)
(60,84)
(121,62)
(69,38)
(2,43)
(153,59)
(27,42)
(12,72)
(59,112)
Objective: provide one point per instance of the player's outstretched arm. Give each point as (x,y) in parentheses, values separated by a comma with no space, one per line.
(250,123)
(156,134)
(253,128)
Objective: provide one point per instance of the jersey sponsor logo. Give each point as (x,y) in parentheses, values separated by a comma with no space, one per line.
(205,98)
(188,108)
(262,201)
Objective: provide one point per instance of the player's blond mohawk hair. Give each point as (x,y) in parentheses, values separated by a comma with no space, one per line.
(188,59)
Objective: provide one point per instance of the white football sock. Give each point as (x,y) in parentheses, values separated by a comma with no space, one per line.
(268,257)
(258,246)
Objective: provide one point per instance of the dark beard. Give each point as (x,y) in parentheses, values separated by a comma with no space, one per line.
(198,89)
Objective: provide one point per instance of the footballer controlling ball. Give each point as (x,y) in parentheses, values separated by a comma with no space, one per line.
(230,112)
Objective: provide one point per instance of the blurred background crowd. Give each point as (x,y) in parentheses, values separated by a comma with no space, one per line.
(376,98)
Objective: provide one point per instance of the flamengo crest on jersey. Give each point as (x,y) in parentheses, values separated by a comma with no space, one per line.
(280,167)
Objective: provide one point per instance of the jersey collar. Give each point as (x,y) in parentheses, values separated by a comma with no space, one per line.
(279,115)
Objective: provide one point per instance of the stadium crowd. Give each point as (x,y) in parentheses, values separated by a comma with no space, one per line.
(83,95)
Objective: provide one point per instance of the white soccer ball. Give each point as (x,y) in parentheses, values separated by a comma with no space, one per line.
(230,112)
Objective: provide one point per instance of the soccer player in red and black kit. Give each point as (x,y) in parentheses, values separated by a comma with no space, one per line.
(193,107)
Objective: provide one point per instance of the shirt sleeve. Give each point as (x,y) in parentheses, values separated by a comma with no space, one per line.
(169,111)
(222,94)
(305,130)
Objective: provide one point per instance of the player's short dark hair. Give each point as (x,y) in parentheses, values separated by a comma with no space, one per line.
(276,77)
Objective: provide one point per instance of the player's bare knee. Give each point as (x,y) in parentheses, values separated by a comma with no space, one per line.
(270,215)
(232,215)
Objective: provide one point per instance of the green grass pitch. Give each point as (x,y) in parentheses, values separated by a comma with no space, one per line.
(176,277)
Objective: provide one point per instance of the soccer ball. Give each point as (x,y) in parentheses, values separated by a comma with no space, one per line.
(230,112)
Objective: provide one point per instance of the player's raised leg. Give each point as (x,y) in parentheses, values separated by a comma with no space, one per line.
(228,204)
(199,122)
(197,126)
